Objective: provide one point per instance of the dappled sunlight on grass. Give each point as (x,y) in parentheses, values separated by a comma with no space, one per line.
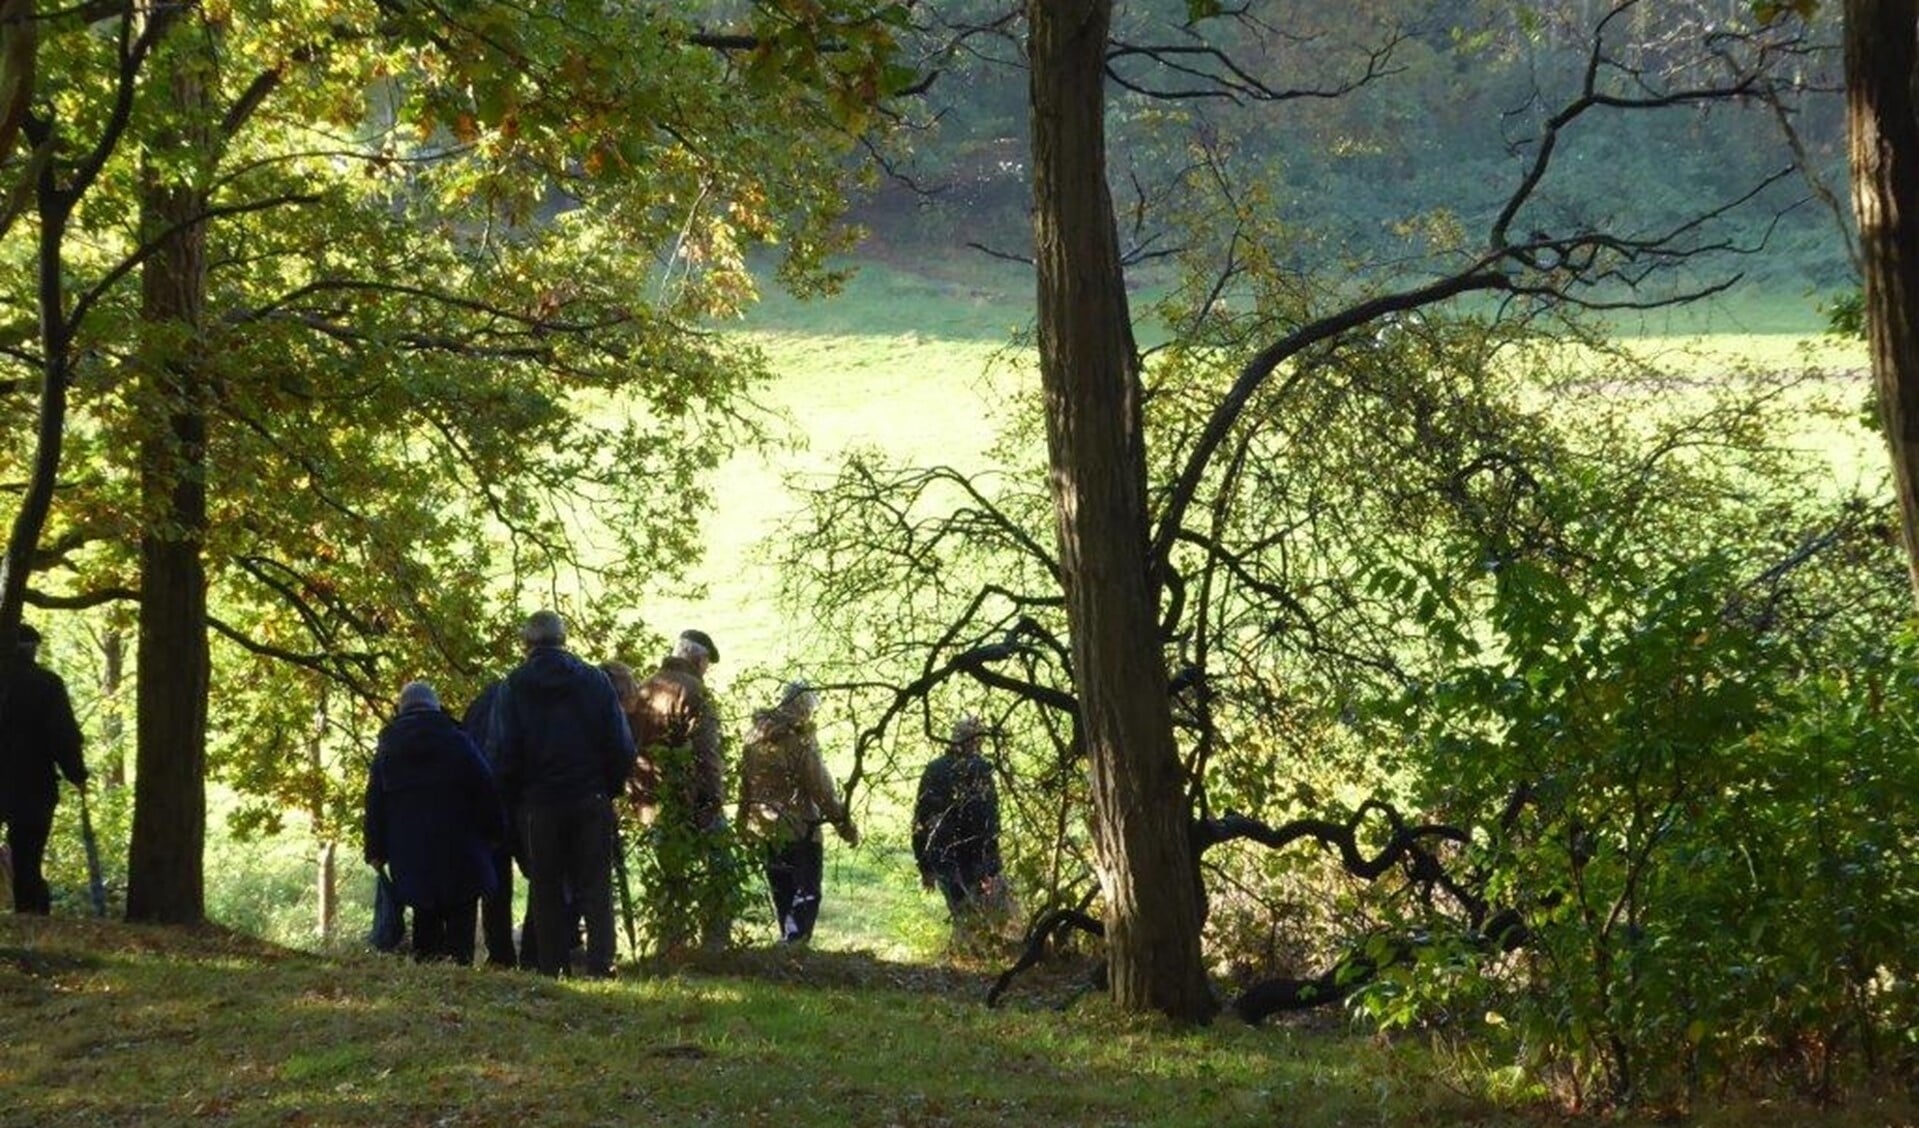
(171,1026)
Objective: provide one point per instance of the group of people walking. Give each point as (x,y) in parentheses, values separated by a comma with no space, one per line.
(532,775)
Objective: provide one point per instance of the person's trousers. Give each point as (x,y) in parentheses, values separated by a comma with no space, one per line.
(570,846)
(27,831)
(962,878)
(795,873)
(445,932)
(496,912)
(530,935)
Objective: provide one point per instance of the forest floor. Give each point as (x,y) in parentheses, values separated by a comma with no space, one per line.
(104,1023)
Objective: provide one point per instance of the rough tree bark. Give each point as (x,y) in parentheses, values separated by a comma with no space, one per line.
(1882,63)
(1089,371)
(165,872)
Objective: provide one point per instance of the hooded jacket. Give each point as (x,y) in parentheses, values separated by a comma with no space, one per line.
(785,790)
(432,813)
(557,733)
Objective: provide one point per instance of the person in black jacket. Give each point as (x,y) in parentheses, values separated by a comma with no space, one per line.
(38,735)
(956,824)
(564,751)
(433,818)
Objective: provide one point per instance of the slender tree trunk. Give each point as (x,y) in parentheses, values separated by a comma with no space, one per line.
(329,891)
(165,880)
(1882,63)
(327,877)
(56,375)
(1089,371)
(113,720)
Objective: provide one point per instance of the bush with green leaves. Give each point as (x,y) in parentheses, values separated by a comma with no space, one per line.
(688,884)
(1693,780)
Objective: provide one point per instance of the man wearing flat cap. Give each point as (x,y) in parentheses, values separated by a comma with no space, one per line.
(956,825)
(680,781)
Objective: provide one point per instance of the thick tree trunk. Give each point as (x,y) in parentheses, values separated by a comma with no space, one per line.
(1089,370)
(165,879)
(1882,63)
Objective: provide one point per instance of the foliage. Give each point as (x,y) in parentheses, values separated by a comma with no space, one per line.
(690,886)
(1450,116)
(452,346)
(1689,769)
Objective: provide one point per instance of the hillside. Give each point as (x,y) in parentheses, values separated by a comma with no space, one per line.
(110,1024)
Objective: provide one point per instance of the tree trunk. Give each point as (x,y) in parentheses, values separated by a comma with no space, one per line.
(1882,62)
(113,720)
(56,375)
(165,879)
(327,877)
(1089,371)
(329,891)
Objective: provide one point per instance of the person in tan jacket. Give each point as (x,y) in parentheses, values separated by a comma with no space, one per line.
(786,793)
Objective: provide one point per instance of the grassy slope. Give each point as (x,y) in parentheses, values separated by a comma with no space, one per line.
(113,1024)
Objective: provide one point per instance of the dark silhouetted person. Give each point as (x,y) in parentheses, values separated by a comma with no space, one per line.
(496,908)
(433,818)
(38,735)
(564,752)
(956,825)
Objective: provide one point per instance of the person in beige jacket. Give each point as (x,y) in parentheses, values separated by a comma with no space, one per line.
(786,793)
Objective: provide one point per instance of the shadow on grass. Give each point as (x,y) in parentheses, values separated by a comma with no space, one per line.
(118,1024)
(961,977)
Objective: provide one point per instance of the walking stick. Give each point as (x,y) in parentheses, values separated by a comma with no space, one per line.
(626,889)
(96,885)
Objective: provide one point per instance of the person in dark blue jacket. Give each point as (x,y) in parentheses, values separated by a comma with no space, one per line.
(496,908)
(564,751)
(38,735)
(433,818)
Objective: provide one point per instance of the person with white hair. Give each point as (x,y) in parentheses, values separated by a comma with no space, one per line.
(564,751)
(786,793)
(956,824)
(38,736)
(432,820)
